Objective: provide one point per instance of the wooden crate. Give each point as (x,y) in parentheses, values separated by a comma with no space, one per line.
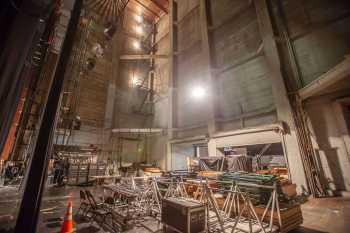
(291,217)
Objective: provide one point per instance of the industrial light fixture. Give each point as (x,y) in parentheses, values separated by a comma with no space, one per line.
(136,44)
(90,63)
(109,31)
(135,80)
(139,29)
(97,50)
(138,18)
(198,92)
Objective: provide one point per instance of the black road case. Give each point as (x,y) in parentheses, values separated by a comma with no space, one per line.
(182,215)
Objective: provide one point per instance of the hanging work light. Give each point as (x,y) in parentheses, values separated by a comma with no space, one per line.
(109,31)
(90,63)
(97,50)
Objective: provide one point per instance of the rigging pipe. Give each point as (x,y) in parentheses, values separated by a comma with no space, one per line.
(137,131)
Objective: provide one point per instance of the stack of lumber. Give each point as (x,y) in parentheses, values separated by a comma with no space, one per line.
(180,173)
(291,217)
(258,194)
(288,189)
(209,174)
(274,170)
(152,169)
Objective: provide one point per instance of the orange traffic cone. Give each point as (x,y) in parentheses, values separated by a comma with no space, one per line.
(67,226)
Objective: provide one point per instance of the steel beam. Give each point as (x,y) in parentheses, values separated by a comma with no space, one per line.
(160,6)
(205,40)
(147,8)
(143,57)
(172,78)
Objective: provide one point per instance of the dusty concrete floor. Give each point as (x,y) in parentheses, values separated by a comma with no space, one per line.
(52,211)
(327,215)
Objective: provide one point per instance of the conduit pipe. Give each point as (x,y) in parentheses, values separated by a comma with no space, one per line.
(137,131)
(270,127)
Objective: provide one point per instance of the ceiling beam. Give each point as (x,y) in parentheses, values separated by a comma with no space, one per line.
(160,6)
(146,16)
(334,75)
(147,8)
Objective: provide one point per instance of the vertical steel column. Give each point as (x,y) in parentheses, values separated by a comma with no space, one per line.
(204,14)
(172,94)
(30,205)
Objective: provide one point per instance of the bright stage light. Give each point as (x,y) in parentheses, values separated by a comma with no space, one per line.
(198,92)
(138,18)
(139,30)
(136,44)
(135,80)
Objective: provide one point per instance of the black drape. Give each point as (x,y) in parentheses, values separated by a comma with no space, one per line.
(24,24)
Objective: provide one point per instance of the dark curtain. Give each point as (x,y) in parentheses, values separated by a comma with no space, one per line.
(8,13)
(23,33)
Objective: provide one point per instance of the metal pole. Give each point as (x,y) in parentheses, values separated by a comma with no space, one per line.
(30,205)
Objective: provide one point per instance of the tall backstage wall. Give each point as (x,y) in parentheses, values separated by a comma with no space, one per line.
(247,88)
(330,139)
(190,72)
(244,89)
(315,38)
(257,54)
(158,148)
(84,98)
(319,33)
(133,109)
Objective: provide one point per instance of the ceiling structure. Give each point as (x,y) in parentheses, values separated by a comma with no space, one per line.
(151,9)
(110,9)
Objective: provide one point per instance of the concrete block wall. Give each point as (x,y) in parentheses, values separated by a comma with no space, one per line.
(240,65)
(242,84)
(319,39)
(331,149)
(243,88)
(93,94)
(242,73)
(158,144)
(128,97)
(190,67)
(92,86)
(320,33)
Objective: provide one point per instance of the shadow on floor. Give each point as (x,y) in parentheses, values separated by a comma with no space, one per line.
(6,231)
(53,222)
(89,229)
(78,219)
(306,230)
